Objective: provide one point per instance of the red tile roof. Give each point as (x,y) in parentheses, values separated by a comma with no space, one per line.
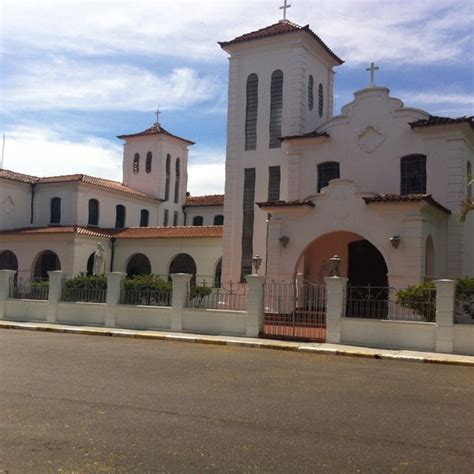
(14,176)
(155,130)
(434,120)
(305,135)
(391,198)
(277,29)
(83,178)
(128,233)
(285,204)
(209,200)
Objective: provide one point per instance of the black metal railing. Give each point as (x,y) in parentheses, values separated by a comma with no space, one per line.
(31,289)
(231,296)
(464,310)
(87,295)
(150,297)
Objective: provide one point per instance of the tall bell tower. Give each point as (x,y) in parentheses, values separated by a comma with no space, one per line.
(280,84)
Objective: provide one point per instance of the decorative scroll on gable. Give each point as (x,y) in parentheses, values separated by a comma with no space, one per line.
(370,139)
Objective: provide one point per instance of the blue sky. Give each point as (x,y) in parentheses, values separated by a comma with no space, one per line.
(76,74)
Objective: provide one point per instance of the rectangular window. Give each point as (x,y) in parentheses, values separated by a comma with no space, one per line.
(120,216)
(248,205)
(175,218)
(166,217)
(326,172)
(55,217)
(144,216)
(274,183)
(413,174)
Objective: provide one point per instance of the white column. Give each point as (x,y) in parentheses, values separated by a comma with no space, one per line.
(114,293)
(54,293)
(335,307)
(255,306)
(445,300)
(6,277)
(178,302)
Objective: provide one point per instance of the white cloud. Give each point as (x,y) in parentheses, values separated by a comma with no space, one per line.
(206,178)
(63,83)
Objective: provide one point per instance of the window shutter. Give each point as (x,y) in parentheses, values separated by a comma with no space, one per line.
(251,113)
(320,100)
(167,175)
(149,159)
(276,108)
(248,220)
(136,163)
(177,183)
(310,93)
(274,183)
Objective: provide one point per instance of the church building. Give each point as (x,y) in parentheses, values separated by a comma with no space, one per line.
(380,185)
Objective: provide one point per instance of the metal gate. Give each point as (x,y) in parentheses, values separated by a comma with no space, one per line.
(295,310)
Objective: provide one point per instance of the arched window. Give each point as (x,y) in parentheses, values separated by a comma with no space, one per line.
(219,220)
(119,216)
(149,159)
(144,217)
(276,108)
(55,217)
(93,212)
(470,183)
(136,163)
(251,113)
(326,172)
(413,174)
(320,100)
(167,176)
(198,220)
(138,264)
(177,181)
(310,92)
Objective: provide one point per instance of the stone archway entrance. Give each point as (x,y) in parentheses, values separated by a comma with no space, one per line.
(45,262)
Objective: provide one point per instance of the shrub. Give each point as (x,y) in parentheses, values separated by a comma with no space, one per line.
(199,292)
(87,282)
(420,299)
(465,297)
(150,281)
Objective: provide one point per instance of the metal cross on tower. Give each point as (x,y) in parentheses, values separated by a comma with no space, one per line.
(157,113)
(372,70)
(284,7)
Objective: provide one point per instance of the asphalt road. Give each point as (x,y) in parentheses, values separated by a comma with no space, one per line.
(84,403)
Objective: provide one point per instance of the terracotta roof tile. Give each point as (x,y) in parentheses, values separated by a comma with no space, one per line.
(391,198)
(285,204)
(277,29)
(209,200)
(155,130)
(14,176)
(305,135)
(434,120)
(128,233)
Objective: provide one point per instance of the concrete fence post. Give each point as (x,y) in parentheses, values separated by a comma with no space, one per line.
(114,292)
(178,302)
(6,277)
(445,303)
(335,307)
(255,305)
(54,293)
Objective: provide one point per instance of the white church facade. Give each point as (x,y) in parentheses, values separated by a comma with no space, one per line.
(380,185)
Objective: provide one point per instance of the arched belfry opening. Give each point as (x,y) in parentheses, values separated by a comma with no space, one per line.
(361,262)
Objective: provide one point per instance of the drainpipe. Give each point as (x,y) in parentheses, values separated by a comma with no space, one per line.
(112,253)
(269,217)
(183,207)
(32,203)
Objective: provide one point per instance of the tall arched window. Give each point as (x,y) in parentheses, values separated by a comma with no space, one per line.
(276,108)
(177,181)
(470,183)
(167,176)
(219,220)
(120,216)
(149,159)
(320,100)
(144,217)
(93,212)
(251,113)
(327,171)
(310,92)
(55,217)
(198,220)
(136,163)
(413,174)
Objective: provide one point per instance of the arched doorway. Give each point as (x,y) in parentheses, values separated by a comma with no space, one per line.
(183,263)
(46,261)
(138,264)
(8,260)
(361,262)
(90,264)
(218,274)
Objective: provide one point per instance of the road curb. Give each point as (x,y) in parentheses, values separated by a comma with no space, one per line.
(233,342)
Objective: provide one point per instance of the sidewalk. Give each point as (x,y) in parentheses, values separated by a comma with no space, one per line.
(255,343)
